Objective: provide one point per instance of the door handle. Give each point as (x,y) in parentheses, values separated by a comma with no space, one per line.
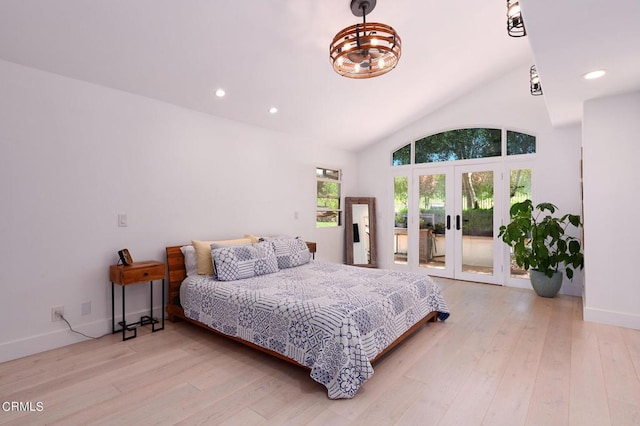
(448,221)
(457,222)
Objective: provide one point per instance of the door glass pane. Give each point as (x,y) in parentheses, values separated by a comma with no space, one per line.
(519,190)
(477,222)
(432,221)
(400,235)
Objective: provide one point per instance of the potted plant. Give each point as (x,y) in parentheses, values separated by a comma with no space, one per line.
(540,243)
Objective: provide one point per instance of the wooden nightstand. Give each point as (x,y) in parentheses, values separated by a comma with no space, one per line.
(312,248)
(135,273)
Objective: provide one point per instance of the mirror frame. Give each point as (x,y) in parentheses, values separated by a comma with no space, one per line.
(371,203)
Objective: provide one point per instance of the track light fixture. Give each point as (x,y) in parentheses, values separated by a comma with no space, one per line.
(515,24)
(534,81)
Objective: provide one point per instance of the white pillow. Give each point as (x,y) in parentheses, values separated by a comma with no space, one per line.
(190,260)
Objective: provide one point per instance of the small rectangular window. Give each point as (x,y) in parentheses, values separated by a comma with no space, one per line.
(328,196)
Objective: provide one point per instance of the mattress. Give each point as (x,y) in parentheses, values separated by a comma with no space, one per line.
(332,318)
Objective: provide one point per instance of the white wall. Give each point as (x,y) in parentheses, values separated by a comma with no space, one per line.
(611,131)
(73,155)
(504,103)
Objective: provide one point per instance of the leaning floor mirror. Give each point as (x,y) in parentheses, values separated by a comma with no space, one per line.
(360,231)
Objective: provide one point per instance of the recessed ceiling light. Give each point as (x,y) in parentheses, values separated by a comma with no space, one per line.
(220,93)
(594,74)
(273,110)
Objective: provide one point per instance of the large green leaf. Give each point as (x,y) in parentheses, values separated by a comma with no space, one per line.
(574,246)
(546,207)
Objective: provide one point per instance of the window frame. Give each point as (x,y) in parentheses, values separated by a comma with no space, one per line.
(321,177)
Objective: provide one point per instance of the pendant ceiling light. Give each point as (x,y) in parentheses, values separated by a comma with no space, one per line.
(534,81)
(365,50)
(515,24)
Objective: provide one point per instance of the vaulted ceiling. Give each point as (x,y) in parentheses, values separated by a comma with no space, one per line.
(276,53)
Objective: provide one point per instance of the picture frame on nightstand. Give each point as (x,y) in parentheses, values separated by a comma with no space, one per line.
(125,257)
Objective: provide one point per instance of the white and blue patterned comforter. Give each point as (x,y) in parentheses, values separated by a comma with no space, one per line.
(329,317)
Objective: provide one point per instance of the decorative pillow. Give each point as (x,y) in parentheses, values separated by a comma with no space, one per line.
(291,252)
(253,238)
(203,252)
(238,262)
(190,260)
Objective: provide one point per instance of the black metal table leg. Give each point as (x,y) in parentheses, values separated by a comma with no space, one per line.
(154,321)
(151,303)
(162,307)
(113,310)
(123,324)
(124,321)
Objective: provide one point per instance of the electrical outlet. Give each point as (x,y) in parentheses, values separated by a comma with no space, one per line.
(57,313)
(85,308)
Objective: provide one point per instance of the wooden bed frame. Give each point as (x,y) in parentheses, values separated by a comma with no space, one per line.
(177,273)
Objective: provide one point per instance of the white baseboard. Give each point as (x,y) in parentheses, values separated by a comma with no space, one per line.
(571,289)
(519,284)
(56,339)
(620,319)
(568,288)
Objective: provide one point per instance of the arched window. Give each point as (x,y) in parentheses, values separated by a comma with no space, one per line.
(402,156)
(462,144)
(520,143)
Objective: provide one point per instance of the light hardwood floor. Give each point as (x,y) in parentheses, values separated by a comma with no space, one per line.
(504,357)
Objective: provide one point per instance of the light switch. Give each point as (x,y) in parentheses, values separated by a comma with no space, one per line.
(122,219)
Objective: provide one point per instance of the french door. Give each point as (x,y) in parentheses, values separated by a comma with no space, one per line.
(453,217)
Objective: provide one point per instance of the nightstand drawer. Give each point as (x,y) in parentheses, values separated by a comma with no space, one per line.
(137,272)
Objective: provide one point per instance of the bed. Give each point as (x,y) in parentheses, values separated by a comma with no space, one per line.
(334,320)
